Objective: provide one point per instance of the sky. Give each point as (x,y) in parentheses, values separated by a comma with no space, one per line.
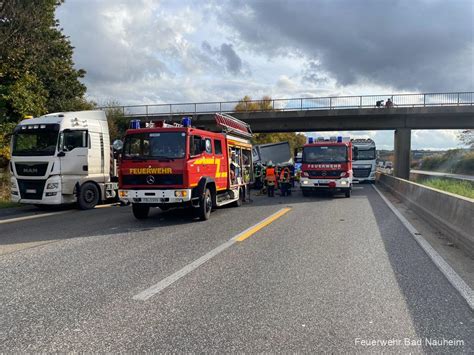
(148,52)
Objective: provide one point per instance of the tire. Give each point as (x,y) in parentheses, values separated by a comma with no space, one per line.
(140,211)
(205,206)
(88,196)
(305,192)
(238,203)
(348,193)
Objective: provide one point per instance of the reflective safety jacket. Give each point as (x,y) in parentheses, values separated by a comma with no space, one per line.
(270,176)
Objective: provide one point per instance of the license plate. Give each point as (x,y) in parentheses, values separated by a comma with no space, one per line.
(30,191)
(153,200)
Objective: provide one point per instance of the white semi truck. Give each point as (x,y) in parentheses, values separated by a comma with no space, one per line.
(63,158)
(364,160)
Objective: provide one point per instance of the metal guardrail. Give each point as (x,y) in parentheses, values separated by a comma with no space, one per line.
(298,104)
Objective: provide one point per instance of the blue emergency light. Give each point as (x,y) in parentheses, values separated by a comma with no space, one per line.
(310,140)
(339,139)
(135,124)
(186,121)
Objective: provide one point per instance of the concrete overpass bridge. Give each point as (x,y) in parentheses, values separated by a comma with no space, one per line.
(345,113)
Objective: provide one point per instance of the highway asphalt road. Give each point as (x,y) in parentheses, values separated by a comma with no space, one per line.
(331,274)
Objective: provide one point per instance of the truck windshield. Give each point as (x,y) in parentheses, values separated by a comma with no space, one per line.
(37,140)
(325,154)
(155,145)
(366,154)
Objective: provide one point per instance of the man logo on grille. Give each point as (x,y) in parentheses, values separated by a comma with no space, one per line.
(323,173)
(150,179)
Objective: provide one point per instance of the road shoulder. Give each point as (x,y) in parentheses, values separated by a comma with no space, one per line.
(458,259)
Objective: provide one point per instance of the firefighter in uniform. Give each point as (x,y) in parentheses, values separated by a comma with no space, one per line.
(285,181)
(270,178)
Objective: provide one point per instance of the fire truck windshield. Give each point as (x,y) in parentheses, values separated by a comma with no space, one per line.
(155,145)
(325,154)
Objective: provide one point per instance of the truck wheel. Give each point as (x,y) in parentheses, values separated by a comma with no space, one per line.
(88,196)
(348,193)
(305,192)
(140,211)
(205,206)
(238,203)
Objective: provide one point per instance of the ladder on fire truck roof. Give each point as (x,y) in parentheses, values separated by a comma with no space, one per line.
(233,125)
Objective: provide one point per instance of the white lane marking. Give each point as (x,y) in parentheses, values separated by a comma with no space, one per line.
(458,283)
(160,286)
(25,218)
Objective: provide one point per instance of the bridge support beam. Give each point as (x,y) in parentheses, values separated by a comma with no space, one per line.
(402,142)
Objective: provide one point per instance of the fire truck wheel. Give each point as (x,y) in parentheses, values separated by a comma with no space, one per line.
(205,206)
(88,196)
(140,211)
(348,193)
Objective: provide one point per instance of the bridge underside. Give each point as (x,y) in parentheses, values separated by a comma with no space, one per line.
(402,120)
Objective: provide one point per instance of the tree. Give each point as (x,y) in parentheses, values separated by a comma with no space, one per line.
(266,104)
(249,105)
(467,137)
(37,73)
(118,123)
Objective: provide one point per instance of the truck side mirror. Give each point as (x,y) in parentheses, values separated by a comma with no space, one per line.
(355,153)
(61,154)
(117,145)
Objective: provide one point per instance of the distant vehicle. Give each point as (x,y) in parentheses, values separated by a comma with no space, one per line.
(364,160)
(279,153)
(63,158)
(176,165)
(327,165)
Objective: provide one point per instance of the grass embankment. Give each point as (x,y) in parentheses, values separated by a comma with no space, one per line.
(457,161)
(5,190)
(462,188)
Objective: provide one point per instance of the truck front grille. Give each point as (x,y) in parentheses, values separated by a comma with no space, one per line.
(31,169)
(153,180)
(361,173)
(325,173)
(31,189)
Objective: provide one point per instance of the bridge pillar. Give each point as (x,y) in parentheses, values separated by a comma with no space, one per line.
(402,142)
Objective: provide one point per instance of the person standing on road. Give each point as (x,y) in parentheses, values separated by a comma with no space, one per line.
(389,103)
(270,179)
(285,182)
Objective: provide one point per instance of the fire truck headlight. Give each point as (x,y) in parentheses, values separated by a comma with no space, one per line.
(123,193)
(343,182)
(52,186)
(305,182)
(13,185)
(181,193)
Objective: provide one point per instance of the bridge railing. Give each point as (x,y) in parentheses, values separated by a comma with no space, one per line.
(299,104)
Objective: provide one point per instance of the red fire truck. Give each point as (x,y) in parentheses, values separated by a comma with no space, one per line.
(327,165)
(176,165)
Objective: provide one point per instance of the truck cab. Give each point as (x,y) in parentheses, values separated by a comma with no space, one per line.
(327,165)
(364,164)
(62,158)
